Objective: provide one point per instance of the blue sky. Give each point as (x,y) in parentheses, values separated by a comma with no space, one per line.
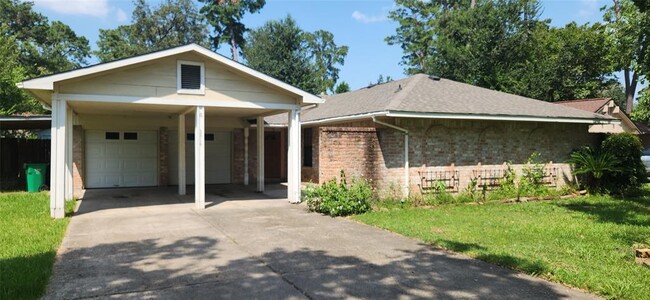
(362,25)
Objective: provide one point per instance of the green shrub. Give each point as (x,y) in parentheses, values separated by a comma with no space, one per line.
(591,165)
(626,149)
(339,199)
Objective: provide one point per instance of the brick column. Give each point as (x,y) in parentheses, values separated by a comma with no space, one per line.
(163,160)
(78,156)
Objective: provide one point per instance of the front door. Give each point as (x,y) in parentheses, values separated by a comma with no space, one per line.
(272,155)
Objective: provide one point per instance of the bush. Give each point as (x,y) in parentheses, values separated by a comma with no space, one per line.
(626,149)
(591,165)
(339,199)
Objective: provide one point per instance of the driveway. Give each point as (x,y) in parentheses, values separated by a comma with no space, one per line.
(148,243)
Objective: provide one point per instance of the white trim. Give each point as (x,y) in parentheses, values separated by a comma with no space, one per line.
(423,115)
(47,82)
(199,158)
(179,89)
(294,157)
(58,158)
(346,118)
(177,102)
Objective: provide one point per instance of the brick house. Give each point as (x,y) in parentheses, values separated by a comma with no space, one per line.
(398,133)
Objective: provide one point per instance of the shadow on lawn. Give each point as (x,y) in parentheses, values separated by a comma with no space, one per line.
(25,277)
(619,212)
(207,268)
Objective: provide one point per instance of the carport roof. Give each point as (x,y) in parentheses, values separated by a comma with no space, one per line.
(427,96)
(46,83)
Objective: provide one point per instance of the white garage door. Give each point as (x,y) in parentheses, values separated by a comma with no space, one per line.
(217,157)
(121,158)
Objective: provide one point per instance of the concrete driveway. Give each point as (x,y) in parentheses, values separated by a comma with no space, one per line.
(148,243)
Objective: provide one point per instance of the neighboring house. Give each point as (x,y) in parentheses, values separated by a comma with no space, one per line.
(173,117)
(424,127)
(606,107)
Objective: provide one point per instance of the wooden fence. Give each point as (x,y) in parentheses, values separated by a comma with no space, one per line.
(13,154)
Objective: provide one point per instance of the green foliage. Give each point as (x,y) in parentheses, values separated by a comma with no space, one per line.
(343,87)
(339,199)
(532,177)
(32,46)
(172,23)
(381,79)
(503,45)
(225,16)
(591,165)
(641,112)
(626,149)
(306,60)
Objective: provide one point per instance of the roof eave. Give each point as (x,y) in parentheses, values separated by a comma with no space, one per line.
(487,117)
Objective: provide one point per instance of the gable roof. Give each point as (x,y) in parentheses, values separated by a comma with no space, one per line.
(590,105)
(431,97)
(47,82)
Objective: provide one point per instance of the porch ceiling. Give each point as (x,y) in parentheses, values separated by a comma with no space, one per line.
(132,109)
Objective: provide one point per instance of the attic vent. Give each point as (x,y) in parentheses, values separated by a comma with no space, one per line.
(190,78)
(434,77)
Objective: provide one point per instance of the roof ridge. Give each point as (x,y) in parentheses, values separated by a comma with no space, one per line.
(584,100)
(410,85)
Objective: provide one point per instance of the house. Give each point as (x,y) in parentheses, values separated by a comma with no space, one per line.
(411,132)
(130,122)
(606,107)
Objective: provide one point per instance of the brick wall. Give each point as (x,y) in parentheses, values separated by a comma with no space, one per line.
(163,156)
(238,156)
(377,153)
(78,152)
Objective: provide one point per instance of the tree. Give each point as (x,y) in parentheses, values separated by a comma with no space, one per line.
(173,23)
(641,112)
(343,87)
(326,55)
(44,47)
(381,80)
(629,28)
(225,16)
(283,50)
(502,45)
(32,46)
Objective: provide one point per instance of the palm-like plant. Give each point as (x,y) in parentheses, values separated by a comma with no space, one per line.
(595,164)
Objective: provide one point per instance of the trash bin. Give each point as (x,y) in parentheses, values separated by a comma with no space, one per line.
(35,176)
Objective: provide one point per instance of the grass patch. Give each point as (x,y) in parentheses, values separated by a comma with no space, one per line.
(585,242)
(29,239)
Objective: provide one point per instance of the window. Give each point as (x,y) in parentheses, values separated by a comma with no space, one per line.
(307,147)
(190,78)
(131,136)
(112,135)
(208,136)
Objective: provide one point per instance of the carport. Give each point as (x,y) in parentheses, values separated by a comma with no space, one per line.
(115,124)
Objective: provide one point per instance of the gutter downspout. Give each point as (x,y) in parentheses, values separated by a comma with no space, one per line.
(406,188)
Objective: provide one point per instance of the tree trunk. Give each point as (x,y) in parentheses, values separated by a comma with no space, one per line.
(233,46)
(631,80)
(472,4)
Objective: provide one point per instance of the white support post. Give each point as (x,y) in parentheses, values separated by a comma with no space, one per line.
(199,158)
(260,154)
(68,155)
(294,165)
(57,160)
(182,182)
(246,132)
(407,183)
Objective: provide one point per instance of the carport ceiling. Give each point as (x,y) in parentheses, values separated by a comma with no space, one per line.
(129,109)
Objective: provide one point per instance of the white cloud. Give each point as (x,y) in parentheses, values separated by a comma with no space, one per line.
(94,8)
(589,8)
(121,16)
(366,19)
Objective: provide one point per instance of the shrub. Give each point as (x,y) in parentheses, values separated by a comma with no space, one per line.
(626,149)
(591,165)
(339,199)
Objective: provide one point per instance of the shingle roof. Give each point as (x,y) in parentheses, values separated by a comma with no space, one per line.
(590,105)
(423,94)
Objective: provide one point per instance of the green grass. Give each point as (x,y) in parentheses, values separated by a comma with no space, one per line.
(29,239)
(586,242)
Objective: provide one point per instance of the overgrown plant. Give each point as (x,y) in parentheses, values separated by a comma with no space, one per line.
(630,172)
(339,198)
(591,165)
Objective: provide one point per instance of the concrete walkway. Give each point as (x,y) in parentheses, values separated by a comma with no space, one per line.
(148,243)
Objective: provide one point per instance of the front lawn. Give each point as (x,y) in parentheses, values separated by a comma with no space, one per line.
(586,242)
(29,239)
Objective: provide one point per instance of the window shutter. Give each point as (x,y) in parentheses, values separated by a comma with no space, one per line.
(190,77)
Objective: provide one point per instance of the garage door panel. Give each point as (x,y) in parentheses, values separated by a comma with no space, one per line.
(217,158)
(120,162)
